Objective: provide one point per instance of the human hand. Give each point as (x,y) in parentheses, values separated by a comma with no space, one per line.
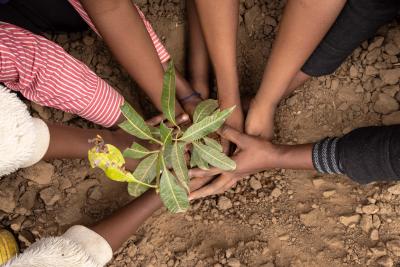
(260,120)
(190,103)
(253,155)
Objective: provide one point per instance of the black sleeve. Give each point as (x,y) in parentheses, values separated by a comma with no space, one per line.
(365,154)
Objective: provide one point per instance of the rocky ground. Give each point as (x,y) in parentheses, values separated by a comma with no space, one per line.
(274,218)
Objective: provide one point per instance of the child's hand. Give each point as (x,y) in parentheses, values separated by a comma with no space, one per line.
(260,120)
(253,155)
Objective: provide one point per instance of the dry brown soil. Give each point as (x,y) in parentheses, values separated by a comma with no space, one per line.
(274,218)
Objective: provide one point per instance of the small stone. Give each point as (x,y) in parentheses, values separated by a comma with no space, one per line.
(88,40)
(391,119)
(392,49)
(40,173)
(50,196)
(394,247)
(335,84)
(318,182)
(7,200)
(284,237)
(374,236)
(255,184)
(390,76)
(395,189)
(224,203)
(377,42)
(233,262)
(95,193)
(376,221)
(385,261)
(43,112)
(349,220)
(371,71)
(353,71)
(228,253)
(370,209)
(328,193)
(366,223)
(385,104)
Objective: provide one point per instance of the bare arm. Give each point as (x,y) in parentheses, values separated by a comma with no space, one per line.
(304,24)
(122,28)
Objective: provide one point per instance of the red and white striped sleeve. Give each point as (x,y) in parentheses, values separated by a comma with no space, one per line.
(161,50)
(44,73)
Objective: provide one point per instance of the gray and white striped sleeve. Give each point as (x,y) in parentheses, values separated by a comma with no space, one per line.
(325,156)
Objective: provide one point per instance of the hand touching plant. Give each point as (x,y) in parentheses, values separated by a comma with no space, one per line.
(165,168)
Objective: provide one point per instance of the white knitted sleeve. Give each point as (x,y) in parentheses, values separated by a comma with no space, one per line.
(23,140)
(78,247)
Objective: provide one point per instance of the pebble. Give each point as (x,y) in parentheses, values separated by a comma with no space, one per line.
(40,173)
(255,184)
(392,49)
(385,261)
(88,40)
(377,42)
(370,209)
(318,182)
(224,203)
(284,237)
(394,247)
(366,223)
(391,119)
(349,220)
(386,104)
(395,189)
(390,76)
(353,71)
(50,196)
(374,236)
(276,192)
(7,200)
(329,193)
(233,262)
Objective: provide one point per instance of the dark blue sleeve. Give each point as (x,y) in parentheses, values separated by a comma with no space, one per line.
(366,154)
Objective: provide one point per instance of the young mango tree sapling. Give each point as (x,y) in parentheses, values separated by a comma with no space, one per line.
(165,168)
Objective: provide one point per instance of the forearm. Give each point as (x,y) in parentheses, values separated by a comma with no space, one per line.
(219,22)
(121,225)
(303,25)
(297,157)
(365,154)
(122,28)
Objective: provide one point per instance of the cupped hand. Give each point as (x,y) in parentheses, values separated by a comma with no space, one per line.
(253,155)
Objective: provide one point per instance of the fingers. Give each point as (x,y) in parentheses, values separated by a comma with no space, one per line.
(204,173)
(199,182)
(155,120)
(218,186)
(232,135)
(226,145)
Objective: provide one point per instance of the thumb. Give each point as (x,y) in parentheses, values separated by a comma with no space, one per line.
(204,173)
(232,135)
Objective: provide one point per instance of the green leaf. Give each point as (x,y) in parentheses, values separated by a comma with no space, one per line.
(136,151)
(134,123)
(204,108)
(110,160)
(168,93)
(196,160)
(166,134)
(213,143)
(215,158)
(179,164)
(208,125)
(155,131)
(145,172)
(172,195)
(168,155)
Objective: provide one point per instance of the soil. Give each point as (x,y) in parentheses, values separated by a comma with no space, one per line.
(274,218)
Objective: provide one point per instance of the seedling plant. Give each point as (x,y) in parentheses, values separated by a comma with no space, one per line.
(165,167)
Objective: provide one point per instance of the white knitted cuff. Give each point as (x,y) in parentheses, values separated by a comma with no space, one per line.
(93,243)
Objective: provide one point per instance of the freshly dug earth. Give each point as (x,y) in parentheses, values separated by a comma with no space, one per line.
(274,218)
